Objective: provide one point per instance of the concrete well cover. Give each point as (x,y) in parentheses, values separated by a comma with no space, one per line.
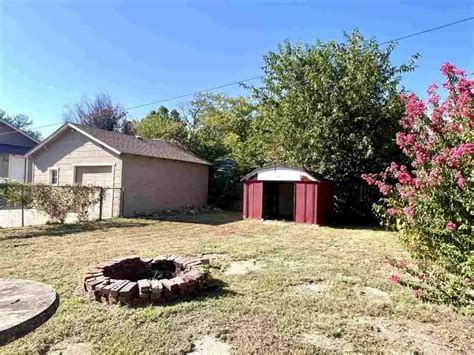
(24,306)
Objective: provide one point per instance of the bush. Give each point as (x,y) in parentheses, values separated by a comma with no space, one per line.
(56,201)
(431,202)
(353,203)
(13,193)
(225,187)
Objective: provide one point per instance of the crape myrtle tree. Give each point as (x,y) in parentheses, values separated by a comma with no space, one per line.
(99,112)
(332,108)
(431,200)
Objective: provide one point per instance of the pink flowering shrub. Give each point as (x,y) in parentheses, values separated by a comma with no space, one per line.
(431,200)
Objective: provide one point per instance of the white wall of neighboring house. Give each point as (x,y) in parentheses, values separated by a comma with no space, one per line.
(16,168)
(12,166)
(4,165)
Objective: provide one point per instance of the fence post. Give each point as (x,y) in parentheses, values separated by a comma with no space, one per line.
(122,201)
(22,205)
(101,202)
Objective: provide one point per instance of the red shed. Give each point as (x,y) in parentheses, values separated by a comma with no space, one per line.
(287,193)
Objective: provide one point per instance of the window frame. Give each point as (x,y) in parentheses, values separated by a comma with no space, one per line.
(50,176)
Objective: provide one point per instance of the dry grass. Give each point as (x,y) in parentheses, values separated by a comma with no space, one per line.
(261,311)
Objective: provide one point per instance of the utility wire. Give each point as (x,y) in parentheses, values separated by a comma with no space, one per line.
(259,76)
(429,30)
(195,92)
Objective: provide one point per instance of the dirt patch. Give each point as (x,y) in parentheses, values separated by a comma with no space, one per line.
(257,334)
(242,267)
(216,260)
(210,345)
(214,256)
(311,288)
(67,348)
(375,295)
(326,343)
(411,336)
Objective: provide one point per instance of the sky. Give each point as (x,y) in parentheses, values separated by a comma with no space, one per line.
(53,52)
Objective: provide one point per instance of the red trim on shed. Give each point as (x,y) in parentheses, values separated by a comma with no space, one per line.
(253,199)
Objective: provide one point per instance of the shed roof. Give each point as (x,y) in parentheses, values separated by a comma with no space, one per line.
(282,173)
(125,144)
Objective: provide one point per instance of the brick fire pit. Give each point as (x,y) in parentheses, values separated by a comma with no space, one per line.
(132,280)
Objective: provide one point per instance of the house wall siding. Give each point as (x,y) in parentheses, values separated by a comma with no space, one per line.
(74,148)
(152,184)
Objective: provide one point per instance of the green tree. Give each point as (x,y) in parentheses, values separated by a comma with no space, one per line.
(22,122)
(332,108)
(129,127)
(220,126)
(163,124)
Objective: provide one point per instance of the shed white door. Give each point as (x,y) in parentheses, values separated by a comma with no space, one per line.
(97,176)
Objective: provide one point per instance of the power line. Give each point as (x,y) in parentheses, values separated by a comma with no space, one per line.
(429,30)
(195,92)
(259,76)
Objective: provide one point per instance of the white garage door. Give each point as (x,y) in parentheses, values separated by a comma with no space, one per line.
(98,176)
(94,175)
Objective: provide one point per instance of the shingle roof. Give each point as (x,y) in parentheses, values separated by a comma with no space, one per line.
(139,146)
(15,129)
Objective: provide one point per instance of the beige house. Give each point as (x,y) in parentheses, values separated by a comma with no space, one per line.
(142,176)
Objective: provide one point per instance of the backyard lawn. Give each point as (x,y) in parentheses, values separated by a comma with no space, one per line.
(281,287)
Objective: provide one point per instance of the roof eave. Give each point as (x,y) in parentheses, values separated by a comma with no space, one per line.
(62,129)
(203,162)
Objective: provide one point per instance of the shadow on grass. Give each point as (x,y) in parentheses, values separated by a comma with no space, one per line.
(367,227)
(214,290)
(213,219)
(61,230)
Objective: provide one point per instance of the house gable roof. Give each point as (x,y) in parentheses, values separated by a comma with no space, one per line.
(124,144)
(15,129)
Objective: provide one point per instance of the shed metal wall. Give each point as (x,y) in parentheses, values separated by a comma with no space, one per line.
(312,200)
(253,199)
(306,207)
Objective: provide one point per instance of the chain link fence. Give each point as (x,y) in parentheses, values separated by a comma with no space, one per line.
(17,210)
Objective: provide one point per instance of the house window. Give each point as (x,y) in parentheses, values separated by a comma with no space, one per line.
(53,176)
